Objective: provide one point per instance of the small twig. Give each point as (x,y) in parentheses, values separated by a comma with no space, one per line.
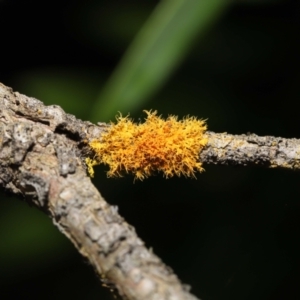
(273,152)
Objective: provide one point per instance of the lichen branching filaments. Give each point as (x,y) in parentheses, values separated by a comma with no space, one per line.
(170,146)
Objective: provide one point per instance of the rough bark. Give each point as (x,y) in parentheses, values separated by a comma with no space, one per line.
(41,150)
(41,159)
(250,149)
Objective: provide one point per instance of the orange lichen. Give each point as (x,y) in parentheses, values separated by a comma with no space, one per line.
(170,146)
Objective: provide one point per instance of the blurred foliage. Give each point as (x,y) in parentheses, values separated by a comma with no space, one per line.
(155,52)
(231,234)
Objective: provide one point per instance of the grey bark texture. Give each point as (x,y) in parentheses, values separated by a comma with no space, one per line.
(42,153)
(41,160)
(250,149)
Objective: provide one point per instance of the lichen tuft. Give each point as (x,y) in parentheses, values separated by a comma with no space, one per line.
(169,146)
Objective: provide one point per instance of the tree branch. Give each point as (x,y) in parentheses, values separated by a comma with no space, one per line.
(40,160)
(273,152)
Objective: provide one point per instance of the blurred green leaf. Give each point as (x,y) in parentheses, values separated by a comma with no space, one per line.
(159,47)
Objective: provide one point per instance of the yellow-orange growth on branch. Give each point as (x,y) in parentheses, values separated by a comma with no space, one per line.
(170,146)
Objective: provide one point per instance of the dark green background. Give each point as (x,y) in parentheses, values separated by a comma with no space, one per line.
(231,234)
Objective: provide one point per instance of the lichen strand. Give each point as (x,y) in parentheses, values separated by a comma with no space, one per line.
(169,146)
